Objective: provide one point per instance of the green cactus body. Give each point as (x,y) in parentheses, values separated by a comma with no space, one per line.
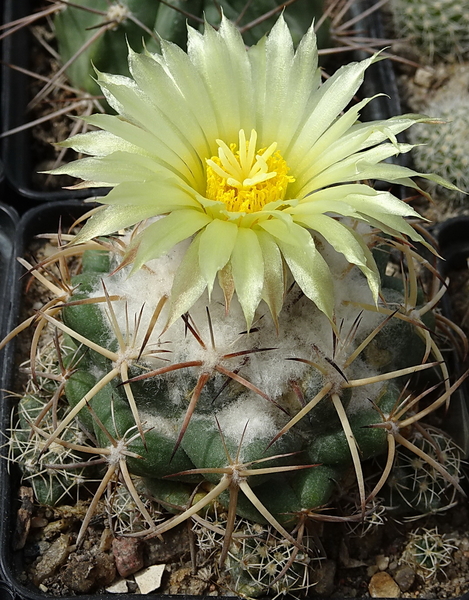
(332,448)
(438,28)
(75,28)
(246,421)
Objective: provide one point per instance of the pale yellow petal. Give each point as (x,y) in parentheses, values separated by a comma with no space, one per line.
(216,245)
(188,285)
(247,265)
(160,237)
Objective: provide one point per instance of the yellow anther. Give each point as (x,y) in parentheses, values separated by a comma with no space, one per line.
(245,179)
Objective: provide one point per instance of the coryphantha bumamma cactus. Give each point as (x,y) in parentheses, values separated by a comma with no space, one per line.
(231,340)
(437,29)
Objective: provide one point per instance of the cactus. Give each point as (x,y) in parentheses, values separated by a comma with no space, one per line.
(98,36)
(274,422)
(429,552)
(445,150)
(416,488)
(438,29)
(54,474)
(235,345)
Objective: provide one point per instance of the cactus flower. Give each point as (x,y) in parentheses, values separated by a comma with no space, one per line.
(247,154)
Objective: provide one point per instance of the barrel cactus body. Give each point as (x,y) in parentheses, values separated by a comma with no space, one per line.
(206,392)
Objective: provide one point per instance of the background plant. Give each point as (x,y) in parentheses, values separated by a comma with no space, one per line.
(437,29)
(445,150)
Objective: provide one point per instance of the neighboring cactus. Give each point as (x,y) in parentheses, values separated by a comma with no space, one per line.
(99,35)
(428,552)
(445,149)
(54,474)
(416,487)
(95,33)
(438,29)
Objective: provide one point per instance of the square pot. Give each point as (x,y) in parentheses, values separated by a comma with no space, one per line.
(15,96)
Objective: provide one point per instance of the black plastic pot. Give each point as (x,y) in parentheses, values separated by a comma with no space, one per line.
(8,224)
(15,95)
(453,241)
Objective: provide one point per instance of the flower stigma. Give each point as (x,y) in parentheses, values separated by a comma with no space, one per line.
(246,180)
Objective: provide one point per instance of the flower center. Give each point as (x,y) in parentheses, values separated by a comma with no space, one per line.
(246,180)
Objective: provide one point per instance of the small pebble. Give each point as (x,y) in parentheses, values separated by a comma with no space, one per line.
(52,559)
(149,579)
(54,527)
(37,522)
(382,585)
(175,545)
(128,555)
(118,587)
(382,562)
(424,77)
(404,577)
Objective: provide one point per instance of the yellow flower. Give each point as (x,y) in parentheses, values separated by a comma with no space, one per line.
(248,154)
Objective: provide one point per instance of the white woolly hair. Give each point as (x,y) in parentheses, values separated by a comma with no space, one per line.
(302,327)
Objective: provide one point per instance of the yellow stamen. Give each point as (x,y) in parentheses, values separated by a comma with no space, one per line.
(246,180)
